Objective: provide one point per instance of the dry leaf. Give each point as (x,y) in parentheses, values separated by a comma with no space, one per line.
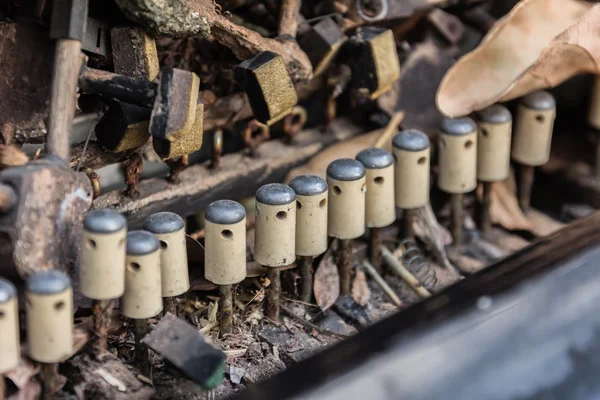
(543,225)
(22,375)
(12,156)
(427,229)
(505,210)
(360,289)
(513,45)
(327,281)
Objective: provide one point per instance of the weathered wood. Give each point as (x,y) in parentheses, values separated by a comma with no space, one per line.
(239,176)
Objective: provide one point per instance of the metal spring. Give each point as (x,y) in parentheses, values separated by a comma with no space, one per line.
(414,260)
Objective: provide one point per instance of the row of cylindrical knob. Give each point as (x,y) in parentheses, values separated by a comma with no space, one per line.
(469,152)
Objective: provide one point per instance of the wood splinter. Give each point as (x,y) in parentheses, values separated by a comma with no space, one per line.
(275,237)
(458,167)
(169,229)
(10,346)
(311,226)
(102,269)
(225,254)
(347,187)
(380,207)
(142,298)
(49,302)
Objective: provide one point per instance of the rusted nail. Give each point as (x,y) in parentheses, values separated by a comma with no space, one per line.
(95,180)
(177,166)
(217,149)
(254,134)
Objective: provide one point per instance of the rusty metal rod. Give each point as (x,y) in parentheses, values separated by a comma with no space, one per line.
(50,380)
(306,274)
(345,265)
(140,329)
(382,283)
(101,312)
(406,228)
(225,309)
(399,269)
(525,186)
(484,217)
(273,292)
(374,245)
(456,221)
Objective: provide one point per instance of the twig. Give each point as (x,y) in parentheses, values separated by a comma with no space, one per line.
(299,302)
(382,283)
(404,273)
(310,324)
(288,20)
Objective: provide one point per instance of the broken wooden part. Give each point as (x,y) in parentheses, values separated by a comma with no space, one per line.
(523,41)
(62,197)
(185,348)
(382,283)
(404,273)
(268,85)
(504,209)
(288,20)
(189,141)
(10,345)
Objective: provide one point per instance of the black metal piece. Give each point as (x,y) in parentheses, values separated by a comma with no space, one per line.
(185,348)
(524,327)
(69,18)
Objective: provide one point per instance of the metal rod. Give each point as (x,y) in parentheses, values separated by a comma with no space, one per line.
(456,212)
(170,305)
(404,274)
(374,244)
(382,283)
(63,97)
(406,229)
(484,218)
(306,274)
(225,309)
(273,292)
(345,265)
(525,186)
(101,312)
(50,380)
(140,329)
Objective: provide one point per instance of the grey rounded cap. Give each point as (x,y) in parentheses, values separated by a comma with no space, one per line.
(164,222)
(346,169)
(140,243)
(540,100)
(375,158)
(496,114)
(225,212)
(275,194)
(411,140)
(47,282)
(458,126)
(104,220)
(7,291)
(308,185)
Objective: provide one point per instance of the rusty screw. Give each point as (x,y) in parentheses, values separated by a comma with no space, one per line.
(95,180)
(217,149)
(294,121)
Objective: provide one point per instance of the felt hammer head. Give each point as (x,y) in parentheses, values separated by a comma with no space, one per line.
(174,110)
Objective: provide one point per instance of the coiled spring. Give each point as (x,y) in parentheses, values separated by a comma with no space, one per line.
(414,260)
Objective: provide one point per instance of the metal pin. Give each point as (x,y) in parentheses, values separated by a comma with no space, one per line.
(102,269)
(411,149)
(169,229)
(380,206)
(493,155)
(311,226)
(10,346)
(49,300)
(458,166)
(346,212)
(275,237)
(225,254)
(142,298)
(532,140)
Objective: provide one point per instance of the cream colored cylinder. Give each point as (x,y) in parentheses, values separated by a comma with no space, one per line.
(493,151)
(458,163)
(411,176)
(347,205)
(49,322)
(142,298)
(533,136)
(102,272)
(10,346)
(175,278)
(275,234)
(594,106)
(311,225)
(380,206)
(225,252)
